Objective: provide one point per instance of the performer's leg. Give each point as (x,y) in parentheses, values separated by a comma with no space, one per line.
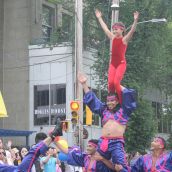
(111,74)
(102,148)
(118,155)
(120,71)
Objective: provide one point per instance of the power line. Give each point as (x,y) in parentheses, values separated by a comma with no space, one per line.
(26,66)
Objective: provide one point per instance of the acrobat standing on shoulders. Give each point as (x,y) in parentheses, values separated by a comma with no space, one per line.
(118,63)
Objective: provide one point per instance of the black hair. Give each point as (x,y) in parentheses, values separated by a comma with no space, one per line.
(95,141)
(39,137)
(113,94)
(163,141)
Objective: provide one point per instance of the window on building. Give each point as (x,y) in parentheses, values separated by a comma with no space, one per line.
(47,112)
(41,95)
(61,95)
(66,23)
(48,21)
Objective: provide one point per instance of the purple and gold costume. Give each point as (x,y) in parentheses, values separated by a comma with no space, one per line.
(144,163)
(113,147)
(28,161)
(78,158)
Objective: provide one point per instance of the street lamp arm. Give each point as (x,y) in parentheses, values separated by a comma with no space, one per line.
(162,20)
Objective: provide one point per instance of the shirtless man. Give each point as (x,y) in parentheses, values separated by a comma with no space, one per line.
(114,119)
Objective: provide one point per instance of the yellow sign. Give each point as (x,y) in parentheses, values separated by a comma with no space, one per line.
(3,111)
(89,116)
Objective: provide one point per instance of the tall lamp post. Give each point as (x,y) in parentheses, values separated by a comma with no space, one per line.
(115,11)
(115,14)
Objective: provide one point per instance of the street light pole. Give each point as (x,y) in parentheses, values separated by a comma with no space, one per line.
(115,15)
(78,62)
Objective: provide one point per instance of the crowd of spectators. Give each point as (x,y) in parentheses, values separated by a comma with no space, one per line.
(13,155)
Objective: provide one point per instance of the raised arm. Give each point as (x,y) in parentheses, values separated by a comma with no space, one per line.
(129,35)
(46,159)
(90,98)
(103,24)
(83,80)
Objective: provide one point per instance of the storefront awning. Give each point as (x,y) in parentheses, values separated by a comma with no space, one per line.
(14,133)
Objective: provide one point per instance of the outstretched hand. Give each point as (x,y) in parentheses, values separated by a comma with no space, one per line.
(98,13)
(9,144)
(82,78)
(136,15)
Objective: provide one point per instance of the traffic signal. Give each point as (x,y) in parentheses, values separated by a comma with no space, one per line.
(65,125)
(89,116)
(74,106)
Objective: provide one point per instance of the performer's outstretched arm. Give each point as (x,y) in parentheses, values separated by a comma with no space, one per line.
(83,80)
(129,35)
(103,24)
(90,98)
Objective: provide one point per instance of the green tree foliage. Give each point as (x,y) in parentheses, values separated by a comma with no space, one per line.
(169,142)
(140,129)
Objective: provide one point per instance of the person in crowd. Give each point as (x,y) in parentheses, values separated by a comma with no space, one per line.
(16,155)
(114,119)
(33,153)
(159,160)
(49,161)
(117,65)
(23,152)
(90,160)
(3,159)
(38,138)
(7,152)
(55,155)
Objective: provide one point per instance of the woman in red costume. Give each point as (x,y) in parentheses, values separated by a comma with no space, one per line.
(117,66)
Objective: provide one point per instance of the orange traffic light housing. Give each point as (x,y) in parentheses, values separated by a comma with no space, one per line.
(75,107)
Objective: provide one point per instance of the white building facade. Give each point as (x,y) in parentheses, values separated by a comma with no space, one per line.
(51,88)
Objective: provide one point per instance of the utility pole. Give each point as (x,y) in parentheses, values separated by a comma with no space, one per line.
(78,62)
